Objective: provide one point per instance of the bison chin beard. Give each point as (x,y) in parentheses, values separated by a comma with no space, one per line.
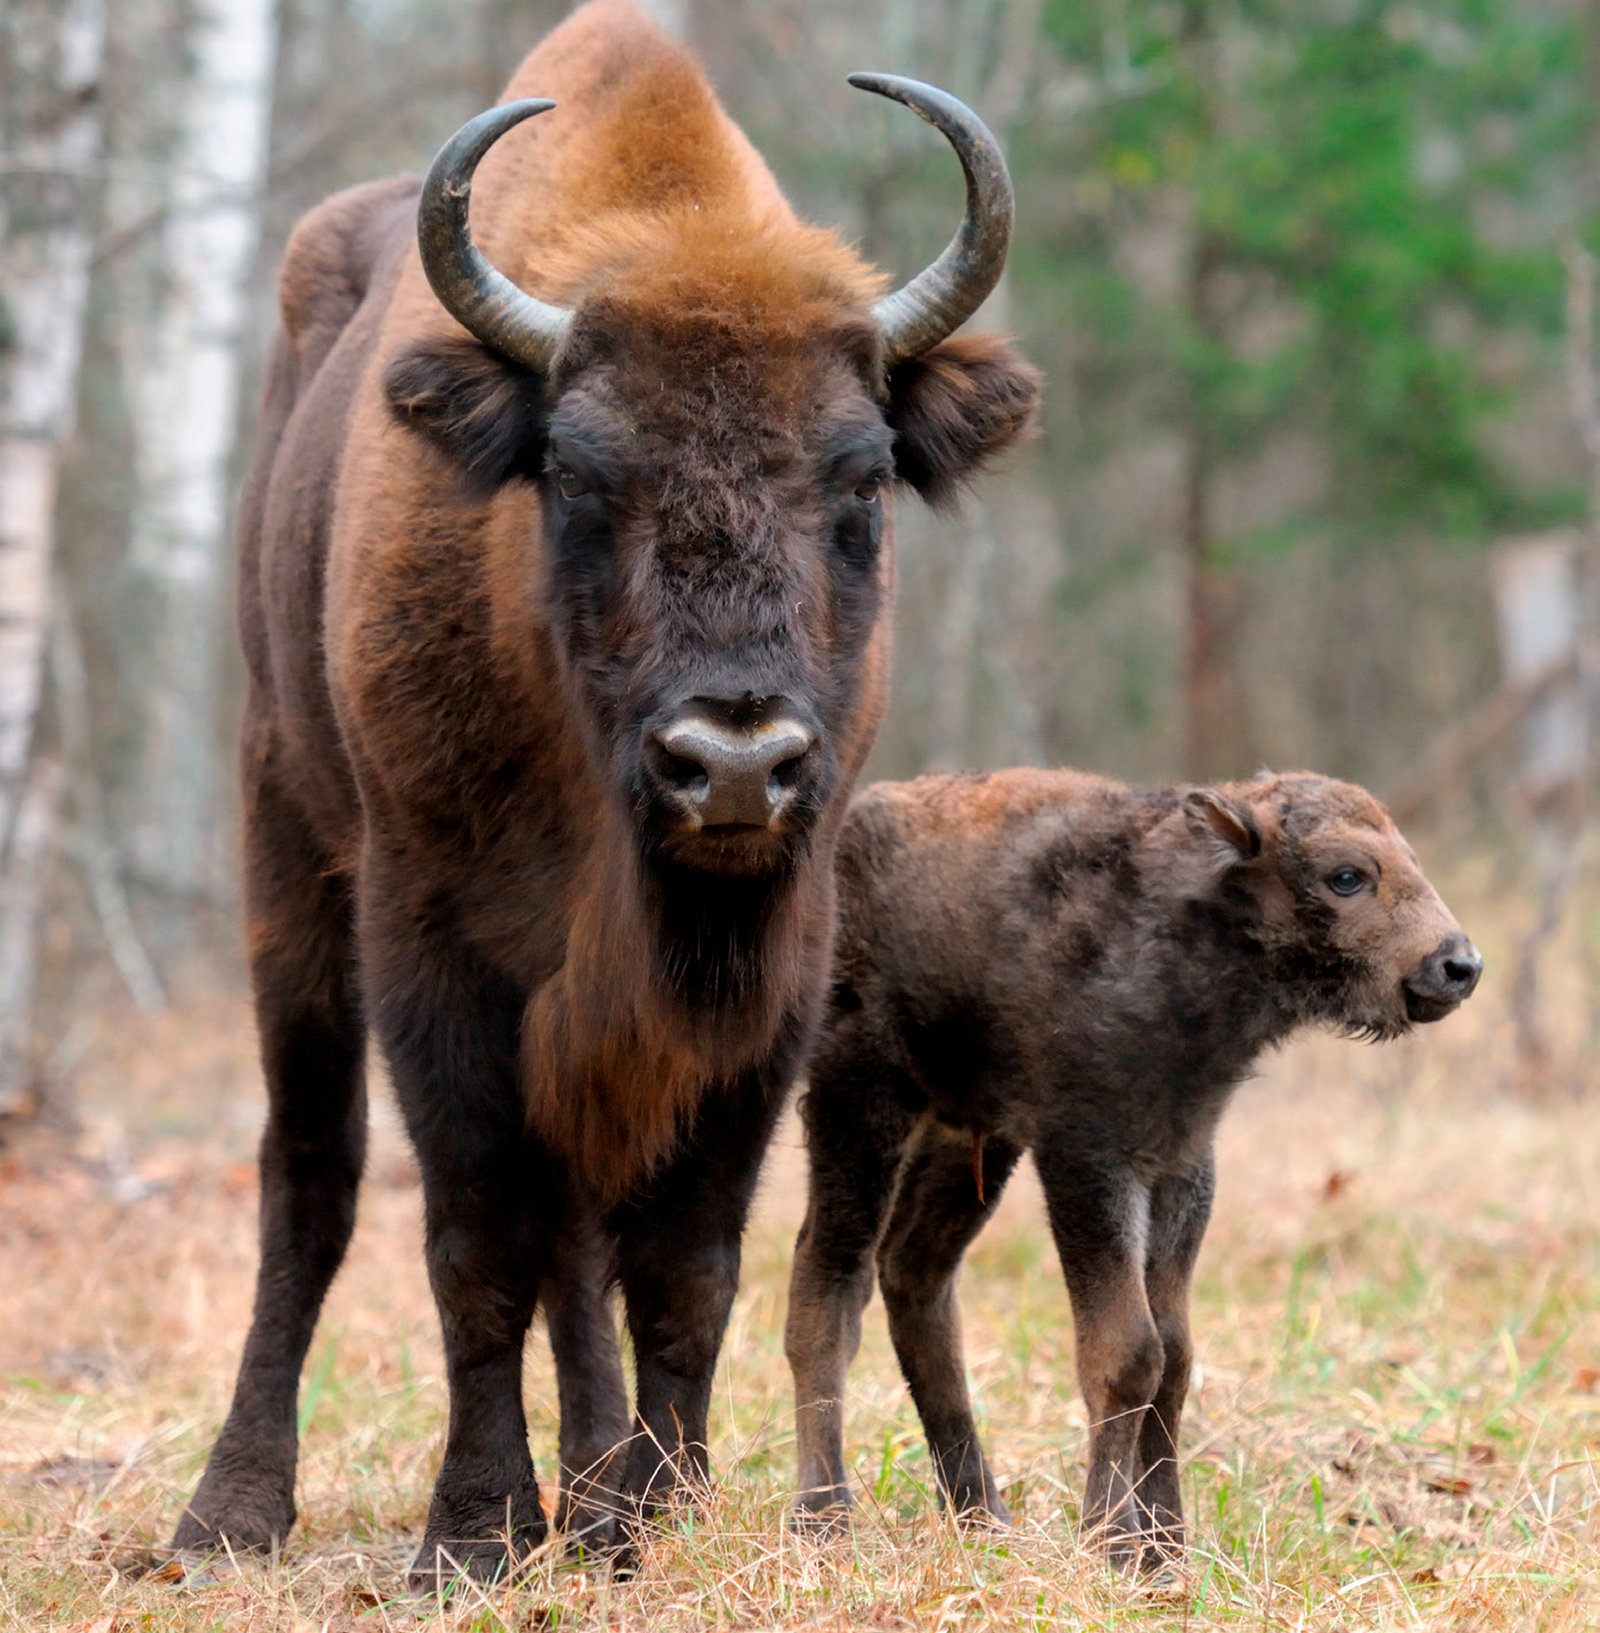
(724,933)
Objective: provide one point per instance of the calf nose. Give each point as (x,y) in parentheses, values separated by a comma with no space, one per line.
(730,776)
(1452,969)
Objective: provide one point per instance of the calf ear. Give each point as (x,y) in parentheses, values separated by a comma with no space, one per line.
(956,408)
(1228,828)
(485,413)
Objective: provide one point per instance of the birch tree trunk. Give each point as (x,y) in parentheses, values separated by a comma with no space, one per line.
(51,125)
(184,391)
(52,55)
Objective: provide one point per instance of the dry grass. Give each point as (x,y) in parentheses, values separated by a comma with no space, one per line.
(1394,1421)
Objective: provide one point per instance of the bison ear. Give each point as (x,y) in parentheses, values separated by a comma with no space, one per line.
(485,413)
(1229,828)
(956,408)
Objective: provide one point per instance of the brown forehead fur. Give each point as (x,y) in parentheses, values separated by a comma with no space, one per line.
(639,180)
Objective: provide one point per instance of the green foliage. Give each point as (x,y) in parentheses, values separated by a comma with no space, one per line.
(1349,213)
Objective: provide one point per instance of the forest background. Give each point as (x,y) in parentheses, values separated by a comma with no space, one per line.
(1308,278)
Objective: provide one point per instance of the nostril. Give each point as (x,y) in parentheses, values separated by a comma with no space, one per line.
(787,773)
(1462,972)
(680,772)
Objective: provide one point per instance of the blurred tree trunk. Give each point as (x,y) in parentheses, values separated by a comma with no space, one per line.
(1210,704)
(50,120)
(1213,731)
(184,402)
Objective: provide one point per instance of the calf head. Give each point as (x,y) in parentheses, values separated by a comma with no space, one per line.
(1351,932)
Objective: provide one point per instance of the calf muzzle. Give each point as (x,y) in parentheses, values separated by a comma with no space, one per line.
(1445,979)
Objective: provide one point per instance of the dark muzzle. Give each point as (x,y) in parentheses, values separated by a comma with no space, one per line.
(1445,979)
(716,774)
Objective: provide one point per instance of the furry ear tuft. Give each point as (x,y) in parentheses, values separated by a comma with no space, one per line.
(482,411)
(1228,828)
(956,408)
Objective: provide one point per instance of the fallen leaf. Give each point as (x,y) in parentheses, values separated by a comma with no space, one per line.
(1585,1379)
(1448,1485)
(1337,1183)
(1480,1454)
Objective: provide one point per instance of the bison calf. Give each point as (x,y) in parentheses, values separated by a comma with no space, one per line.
(1052,962)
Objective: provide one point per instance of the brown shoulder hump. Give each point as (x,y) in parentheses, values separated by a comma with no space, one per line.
(331,256)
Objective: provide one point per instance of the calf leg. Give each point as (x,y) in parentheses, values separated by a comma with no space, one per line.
(589,1381)
(1180,1209)
(937,1212)
(678,1261)
(312,1051)
(1100,1217)
(450,1027)
(857,1123)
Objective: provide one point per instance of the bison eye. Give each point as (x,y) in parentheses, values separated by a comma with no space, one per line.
(867,492)
(569,484)
(1346,881)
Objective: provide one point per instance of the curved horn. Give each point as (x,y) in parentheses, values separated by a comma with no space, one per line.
(917,316)
(481,300)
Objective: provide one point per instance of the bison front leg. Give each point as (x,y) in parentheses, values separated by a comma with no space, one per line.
(937,1212)
(1099,1216)
(308,1015)
(593,1393)
(1180,1209)
(450,1027)
(678,1262)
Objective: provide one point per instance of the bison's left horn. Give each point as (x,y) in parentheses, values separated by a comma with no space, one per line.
(481,300)
(943,296)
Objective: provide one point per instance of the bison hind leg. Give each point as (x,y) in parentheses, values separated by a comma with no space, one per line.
(313,1048)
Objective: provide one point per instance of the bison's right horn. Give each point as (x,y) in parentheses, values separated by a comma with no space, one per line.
(481,300)
(942,297)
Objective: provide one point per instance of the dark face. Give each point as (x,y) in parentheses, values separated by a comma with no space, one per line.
(714,505)
(718,565)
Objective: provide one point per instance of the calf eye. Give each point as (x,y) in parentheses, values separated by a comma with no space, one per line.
(1346,881)
(568,483)
(867,492)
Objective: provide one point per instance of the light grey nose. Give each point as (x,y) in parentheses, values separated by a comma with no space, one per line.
(730,776)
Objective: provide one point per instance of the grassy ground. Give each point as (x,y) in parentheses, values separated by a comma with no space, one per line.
(1394,1421)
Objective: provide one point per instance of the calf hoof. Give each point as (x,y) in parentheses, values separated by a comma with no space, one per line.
(822,1515)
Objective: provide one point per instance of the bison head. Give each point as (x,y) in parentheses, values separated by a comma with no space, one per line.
(1355,936)
(713,430)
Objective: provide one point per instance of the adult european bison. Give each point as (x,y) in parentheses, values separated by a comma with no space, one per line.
(564,598)
(1051,962)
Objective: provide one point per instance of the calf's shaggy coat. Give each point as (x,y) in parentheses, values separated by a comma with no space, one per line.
(1052,962)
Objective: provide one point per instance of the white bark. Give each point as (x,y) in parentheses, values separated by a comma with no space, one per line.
(53,128)
(184,392)
(32,838)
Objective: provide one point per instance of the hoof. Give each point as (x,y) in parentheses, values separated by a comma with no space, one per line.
(599,1535)
(238,1527)
(443,1562)
(989,1515)
(823,1515)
